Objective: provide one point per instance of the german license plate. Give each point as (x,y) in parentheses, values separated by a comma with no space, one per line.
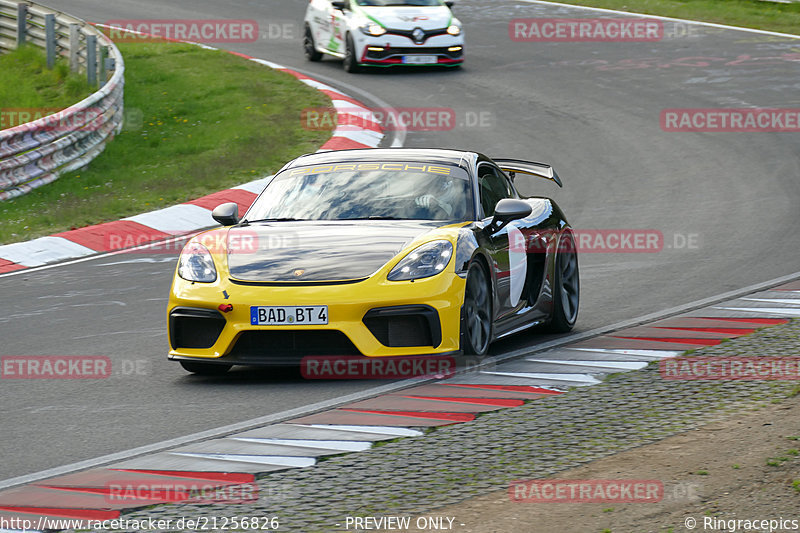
(288,315)
(420,60)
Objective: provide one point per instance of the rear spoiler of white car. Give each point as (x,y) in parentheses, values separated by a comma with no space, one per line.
(541,170)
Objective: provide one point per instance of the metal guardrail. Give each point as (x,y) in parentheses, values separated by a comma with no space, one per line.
(38,152)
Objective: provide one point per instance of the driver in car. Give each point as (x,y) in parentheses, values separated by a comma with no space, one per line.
(448,198)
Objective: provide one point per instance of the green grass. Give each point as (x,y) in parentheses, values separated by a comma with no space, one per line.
(198,121)
(27,84)
(784,18)
(780,460)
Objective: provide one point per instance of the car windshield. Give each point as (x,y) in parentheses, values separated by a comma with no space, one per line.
(362,191)
(399,2)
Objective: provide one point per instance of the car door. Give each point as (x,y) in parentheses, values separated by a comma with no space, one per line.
(327,25)
(319,20)
(508,249)
(337,28)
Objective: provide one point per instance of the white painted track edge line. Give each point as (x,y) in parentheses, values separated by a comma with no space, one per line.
(658,354)
(544,376)
(332,445)
(661,17)
(377,430)
(626,365)
(296,461)
(783,312)
(779,301)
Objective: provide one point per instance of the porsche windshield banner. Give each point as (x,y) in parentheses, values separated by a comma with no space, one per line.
(366,167)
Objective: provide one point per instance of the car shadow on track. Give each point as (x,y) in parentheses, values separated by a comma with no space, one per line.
(393,70)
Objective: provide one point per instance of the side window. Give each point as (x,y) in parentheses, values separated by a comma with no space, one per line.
(493,187)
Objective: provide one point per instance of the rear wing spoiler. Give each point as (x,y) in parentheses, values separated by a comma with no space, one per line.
(540,170)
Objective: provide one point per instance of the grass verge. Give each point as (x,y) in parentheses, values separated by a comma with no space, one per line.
(27,86)
(198,121)
(758,14)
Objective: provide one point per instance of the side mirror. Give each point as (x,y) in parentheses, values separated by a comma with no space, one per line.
(509,209)
(449,4)
(226,214)
(339,5)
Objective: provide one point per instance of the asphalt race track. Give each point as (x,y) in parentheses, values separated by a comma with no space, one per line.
(726,204)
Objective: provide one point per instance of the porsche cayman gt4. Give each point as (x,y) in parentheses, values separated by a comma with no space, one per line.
(376,253)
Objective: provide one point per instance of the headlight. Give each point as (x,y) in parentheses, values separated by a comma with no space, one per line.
(454,30)
(373,29)
(196,264)
(423,262)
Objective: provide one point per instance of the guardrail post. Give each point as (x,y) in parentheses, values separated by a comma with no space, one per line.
(50,39)
(103,65)
(22,23)
(91,60)
(74,47)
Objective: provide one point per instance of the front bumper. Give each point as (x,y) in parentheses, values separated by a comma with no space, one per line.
(390,50)
(369,318)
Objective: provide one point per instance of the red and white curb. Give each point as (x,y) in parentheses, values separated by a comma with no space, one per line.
(234,460)
(189,217)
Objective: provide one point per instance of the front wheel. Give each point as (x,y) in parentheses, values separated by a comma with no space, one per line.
(476,321)
(350,60)
(566,292)
(205,369)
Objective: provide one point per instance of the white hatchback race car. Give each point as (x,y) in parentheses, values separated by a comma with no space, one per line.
(384,33)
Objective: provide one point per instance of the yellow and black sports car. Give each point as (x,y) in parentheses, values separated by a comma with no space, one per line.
(377,252)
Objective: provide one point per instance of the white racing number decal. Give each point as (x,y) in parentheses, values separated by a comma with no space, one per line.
(517,264)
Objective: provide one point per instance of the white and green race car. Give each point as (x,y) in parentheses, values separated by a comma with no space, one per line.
(384,33)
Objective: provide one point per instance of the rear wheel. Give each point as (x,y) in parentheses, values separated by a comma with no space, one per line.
(309,47)
(350,60)
(566,293)
(476,321)
(205,369)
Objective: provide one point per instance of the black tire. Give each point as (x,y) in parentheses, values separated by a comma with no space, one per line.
(205,369)
(476,319)
(567,288)
(350,60)
(309,48)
